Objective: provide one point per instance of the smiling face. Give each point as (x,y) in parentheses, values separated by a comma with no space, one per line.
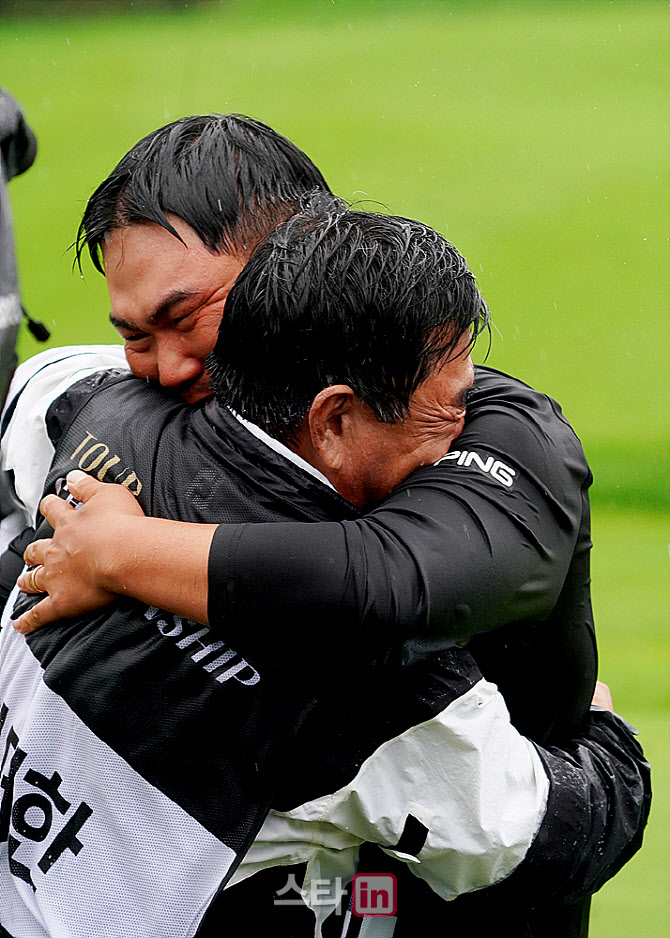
(167,299)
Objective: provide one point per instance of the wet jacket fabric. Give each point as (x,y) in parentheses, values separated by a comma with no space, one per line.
(207,731)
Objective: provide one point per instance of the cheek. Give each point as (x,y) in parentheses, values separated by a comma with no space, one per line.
(202,339)
(443,444)
(459,424)
(394,467)
(142,364)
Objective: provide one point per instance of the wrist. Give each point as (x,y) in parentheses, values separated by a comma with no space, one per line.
(118,558)
(138,560)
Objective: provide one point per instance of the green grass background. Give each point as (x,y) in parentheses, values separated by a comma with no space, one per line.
(534,134)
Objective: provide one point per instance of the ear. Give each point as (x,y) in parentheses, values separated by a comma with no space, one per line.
(330,424)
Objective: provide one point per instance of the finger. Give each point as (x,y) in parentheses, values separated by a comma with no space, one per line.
(34,552)
(28,581)
(602,696)
(41,614)
(606,692)
(82,485)
(54,509)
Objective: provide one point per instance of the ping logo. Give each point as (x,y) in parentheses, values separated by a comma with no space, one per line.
(494,467)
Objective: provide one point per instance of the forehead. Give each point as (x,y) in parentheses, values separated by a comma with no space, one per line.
(449,378)
(144,263)
(456,362)
(146,246)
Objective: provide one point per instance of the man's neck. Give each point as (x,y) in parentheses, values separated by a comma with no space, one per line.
(294,455)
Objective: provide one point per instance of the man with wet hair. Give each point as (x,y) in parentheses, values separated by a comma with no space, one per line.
(371,399)
(425,308)
(215,183)
(212,185)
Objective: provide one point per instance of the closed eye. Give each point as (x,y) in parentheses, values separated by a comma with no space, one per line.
(465,396)
(180,319)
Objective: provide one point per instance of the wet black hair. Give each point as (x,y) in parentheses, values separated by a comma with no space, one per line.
(231,178)
(336,296)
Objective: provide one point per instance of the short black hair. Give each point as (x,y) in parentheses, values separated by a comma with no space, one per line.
(336,296)
(229,177)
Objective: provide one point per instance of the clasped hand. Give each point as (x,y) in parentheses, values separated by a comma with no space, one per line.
(73,566)
(79,567)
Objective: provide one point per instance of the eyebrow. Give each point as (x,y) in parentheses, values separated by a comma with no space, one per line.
(162,311)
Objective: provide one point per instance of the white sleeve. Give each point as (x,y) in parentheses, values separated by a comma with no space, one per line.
(26,449)
(476,785)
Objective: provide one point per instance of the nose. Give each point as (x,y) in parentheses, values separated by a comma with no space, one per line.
(175,365)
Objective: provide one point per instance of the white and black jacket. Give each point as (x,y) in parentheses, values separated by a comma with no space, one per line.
(163,746)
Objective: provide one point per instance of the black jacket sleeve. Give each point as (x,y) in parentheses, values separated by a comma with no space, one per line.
(597,809)
(599,800)
(484,538)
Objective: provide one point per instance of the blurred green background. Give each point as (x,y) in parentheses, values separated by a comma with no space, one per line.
(533,134)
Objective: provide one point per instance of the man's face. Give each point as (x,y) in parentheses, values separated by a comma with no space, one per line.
(167,300)
(380,455)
